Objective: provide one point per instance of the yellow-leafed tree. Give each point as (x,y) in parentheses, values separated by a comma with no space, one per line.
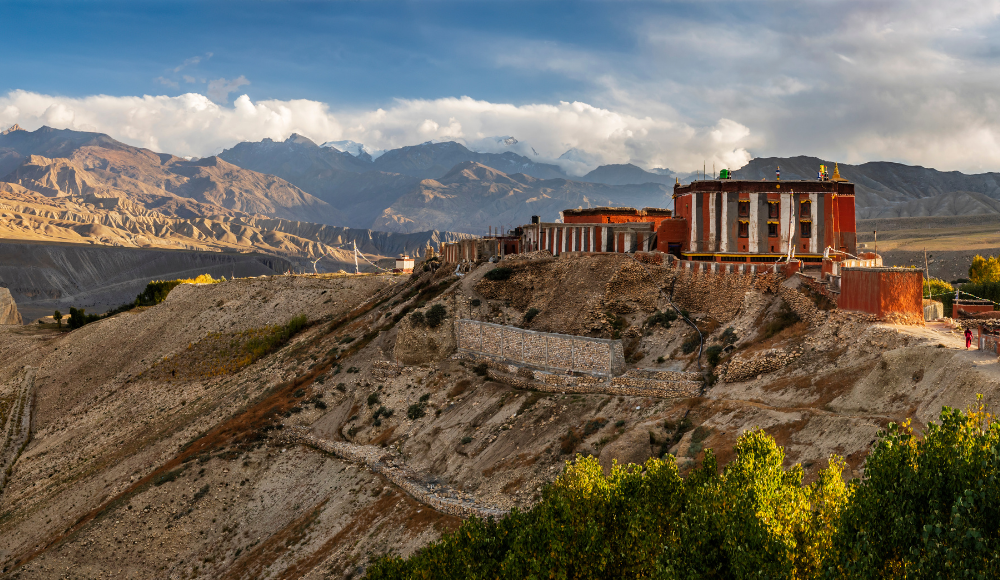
(984,270)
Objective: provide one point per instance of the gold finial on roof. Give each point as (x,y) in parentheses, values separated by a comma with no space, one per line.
(836,174)
(677,181)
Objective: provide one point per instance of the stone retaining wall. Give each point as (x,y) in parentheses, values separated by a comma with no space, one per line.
(542,349)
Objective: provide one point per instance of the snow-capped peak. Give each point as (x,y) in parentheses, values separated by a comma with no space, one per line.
(354,148)
(506,140)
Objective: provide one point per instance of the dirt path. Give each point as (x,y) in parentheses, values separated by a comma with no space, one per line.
(17,429)
(381,462)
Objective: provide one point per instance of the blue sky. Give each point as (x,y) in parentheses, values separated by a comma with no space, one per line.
(659,84)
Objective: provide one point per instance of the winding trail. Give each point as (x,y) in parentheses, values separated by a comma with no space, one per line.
(381,462)
(17,427)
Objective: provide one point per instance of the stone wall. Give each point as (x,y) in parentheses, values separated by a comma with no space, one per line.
(542,349)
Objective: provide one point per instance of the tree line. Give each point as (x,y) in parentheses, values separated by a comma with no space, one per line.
(927,507)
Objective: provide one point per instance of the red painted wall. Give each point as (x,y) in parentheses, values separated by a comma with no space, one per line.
(673,231)
(883,291)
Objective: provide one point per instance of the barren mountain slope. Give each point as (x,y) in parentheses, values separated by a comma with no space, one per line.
(472,196)
(106,168)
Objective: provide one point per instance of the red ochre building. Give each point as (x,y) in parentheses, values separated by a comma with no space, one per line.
(597,229)
(748,222)
(756,221)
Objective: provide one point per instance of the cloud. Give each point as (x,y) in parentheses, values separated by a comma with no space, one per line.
(191,62)
(192,124)
(166,82)
(219,89)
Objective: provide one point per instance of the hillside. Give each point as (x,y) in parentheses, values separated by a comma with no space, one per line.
(324,454)
(472,197)
(57,163)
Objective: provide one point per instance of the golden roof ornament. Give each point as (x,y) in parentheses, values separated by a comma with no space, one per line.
(836,174)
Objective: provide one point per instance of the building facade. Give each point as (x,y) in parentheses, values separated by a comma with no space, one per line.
(599,229)
(740,221)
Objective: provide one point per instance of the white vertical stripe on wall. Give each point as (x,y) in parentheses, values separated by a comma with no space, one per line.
(813,205)
(753,242)
(711,223)
(786,215)
(724,234)
(590,247)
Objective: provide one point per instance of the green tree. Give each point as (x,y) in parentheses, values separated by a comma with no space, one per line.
(58,318)
(935,288)
(927,508)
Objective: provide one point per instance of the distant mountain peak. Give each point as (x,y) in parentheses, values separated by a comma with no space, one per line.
(507,140)
(12,128)
(296,138)
(359,150)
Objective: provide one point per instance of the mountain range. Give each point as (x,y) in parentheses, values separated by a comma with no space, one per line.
(888,190)
(432,187)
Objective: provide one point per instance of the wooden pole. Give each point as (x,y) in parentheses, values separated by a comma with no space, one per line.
(927,274)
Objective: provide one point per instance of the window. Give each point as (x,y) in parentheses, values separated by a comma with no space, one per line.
(805,209)
(773,208)
(744,207)
(772,229)
(807,229)
(744,229)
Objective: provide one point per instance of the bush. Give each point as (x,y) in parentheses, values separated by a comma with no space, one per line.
(373,399)
(594,425)
(436,315)
(499,274)
(728,336)
(691,343)
(425,397)
(415,411)
(466,440)
(713,354)
(481,369)
(476,302)
(783,319)
(530,315)
(662,318)
(417,319)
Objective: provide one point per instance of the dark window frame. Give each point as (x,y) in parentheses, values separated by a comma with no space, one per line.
(743,208)
(772,230)
(773,210)
(805,230)
(744,230)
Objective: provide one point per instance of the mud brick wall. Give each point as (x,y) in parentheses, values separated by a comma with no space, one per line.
(555,351)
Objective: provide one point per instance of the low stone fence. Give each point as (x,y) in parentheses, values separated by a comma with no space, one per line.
(562,352)
(377,460)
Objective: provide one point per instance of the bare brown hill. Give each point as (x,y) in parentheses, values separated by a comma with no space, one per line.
(134,467)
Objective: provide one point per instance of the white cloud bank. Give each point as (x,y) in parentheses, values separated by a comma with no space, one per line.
(193,124)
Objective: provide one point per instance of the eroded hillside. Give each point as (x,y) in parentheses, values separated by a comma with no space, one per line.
(161,449)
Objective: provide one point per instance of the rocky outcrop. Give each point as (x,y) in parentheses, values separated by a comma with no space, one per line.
(8,310)
(419,344)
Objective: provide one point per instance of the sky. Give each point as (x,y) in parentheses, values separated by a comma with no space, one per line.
(658,84)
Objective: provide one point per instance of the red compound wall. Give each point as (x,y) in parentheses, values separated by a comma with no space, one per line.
(883,292)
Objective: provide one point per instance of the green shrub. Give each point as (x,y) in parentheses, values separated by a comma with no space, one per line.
(662,318)
(530,315)
(594,425)
(691,343)
(728,336)
(713,354)
(476,302)
(466,440)
(373,399)
(436,315)
(415,411)
(417,319)
(425,397)
(499,274)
